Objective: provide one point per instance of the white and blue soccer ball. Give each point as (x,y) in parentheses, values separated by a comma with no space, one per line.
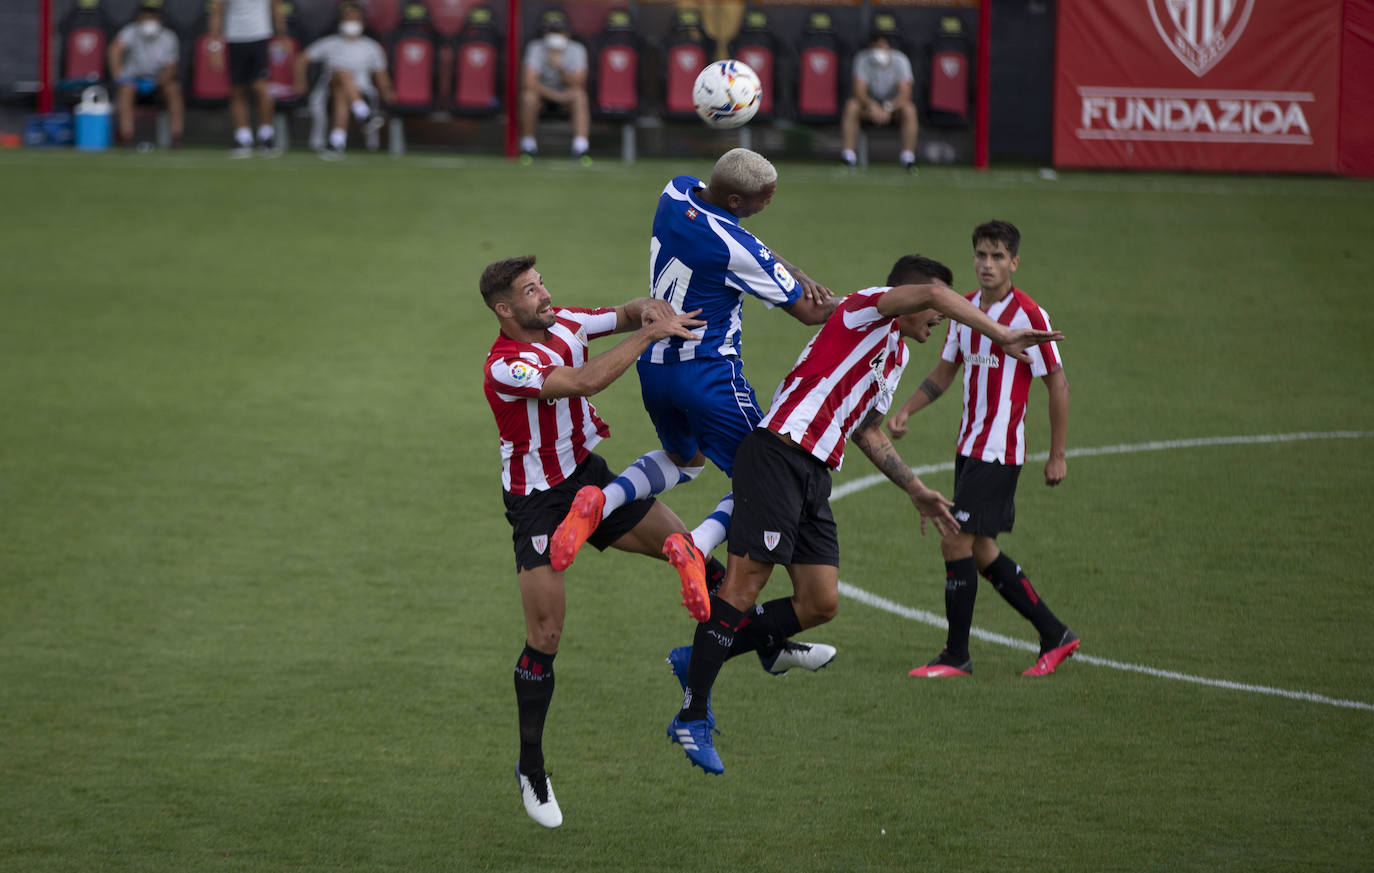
(727,94)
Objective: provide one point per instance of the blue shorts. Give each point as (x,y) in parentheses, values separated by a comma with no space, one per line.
(704,404)
(143,85)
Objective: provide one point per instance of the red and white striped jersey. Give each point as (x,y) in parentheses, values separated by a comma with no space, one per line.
(996,386)
(850,366)
(543,441)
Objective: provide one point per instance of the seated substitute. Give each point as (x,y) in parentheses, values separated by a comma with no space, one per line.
(143,61)
(881,95)
(838,390)
(555,79)
(354,77)
(537,378)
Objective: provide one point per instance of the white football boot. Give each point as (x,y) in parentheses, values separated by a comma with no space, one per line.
(539,800)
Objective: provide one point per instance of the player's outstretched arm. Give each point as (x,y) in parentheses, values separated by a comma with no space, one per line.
(913,298)
(642,310)
(929,503)
(605,368)
(936,382)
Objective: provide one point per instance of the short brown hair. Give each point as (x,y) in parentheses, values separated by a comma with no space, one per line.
(498,276)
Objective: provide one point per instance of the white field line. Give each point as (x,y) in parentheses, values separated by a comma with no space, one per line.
(855,593)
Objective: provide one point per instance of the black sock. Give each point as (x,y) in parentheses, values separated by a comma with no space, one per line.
(715,575)
(533,691)
(769,626)
(961,589)
(1006,576)
(710,648)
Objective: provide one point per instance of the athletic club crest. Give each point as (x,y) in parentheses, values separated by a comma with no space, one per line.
(771,538)
(540,543)
(1200,32)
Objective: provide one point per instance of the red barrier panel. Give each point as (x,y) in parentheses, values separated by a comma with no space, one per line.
(1198,84)
(1357,89)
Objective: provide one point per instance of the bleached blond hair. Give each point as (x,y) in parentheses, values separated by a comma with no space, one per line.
(741,171)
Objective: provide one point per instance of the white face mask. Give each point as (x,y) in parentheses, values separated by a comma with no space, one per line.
(149,28)
(555,42)
(882,57)
(351,28)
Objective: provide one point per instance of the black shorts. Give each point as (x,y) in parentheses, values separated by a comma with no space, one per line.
(534,517)
(984,496)
(782,504)
(247,62)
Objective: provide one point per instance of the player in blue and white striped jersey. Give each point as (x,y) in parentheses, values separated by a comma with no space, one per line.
(694,390)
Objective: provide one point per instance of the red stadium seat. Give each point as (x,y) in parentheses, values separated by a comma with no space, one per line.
(818,72)
(616,67)
(209,71)
(281,71)
(414,60)
(757,47)
(477,65)
(947,103)
(685,57)
(382,16)
(85,37)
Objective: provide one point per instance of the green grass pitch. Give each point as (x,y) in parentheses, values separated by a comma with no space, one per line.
(257,602)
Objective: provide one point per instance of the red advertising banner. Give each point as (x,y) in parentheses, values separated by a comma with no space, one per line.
(1221,85)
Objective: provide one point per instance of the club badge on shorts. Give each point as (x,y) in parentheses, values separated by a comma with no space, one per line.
(771,538)
(540,543)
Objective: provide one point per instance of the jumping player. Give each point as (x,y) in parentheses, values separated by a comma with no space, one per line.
(694,389)
(989,453)
(839,387)
(537,378)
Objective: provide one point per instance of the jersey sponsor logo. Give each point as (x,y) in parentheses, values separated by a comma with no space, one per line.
(784,278)
(540,543)
(985,361)
(771,538)
(521,372)
(1200,32)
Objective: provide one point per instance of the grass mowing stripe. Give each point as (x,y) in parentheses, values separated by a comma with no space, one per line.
(930,618)
(1153,446)
(851,591)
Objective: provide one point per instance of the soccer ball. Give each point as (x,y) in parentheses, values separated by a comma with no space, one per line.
(726,94)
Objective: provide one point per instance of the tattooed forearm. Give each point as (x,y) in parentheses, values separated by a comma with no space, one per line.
(870,438)
(931,390)
(895,468)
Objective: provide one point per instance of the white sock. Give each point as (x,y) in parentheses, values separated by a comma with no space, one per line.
(243,136)
(265,132)
(907,157)
(849,157)
(338,138)
(527,144)
(712,532)
(579,145)
(361,110)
